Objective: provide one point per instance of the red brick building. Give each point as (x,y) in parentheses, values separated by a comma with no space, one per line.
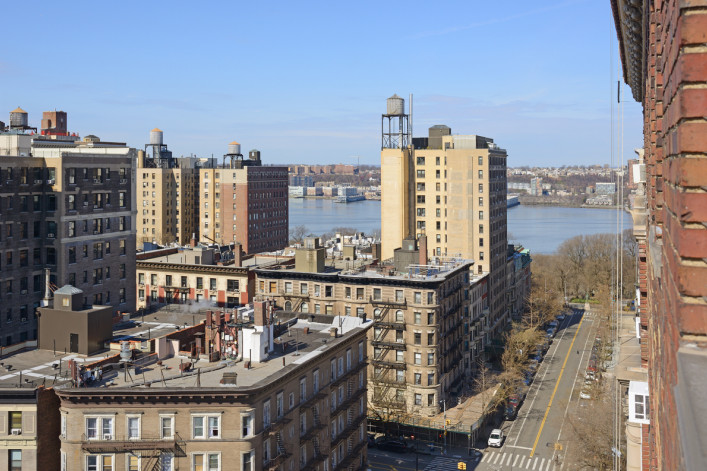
(663,47)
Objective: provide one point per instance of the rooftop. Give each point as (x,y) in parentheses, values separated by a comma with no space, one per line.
(302,341)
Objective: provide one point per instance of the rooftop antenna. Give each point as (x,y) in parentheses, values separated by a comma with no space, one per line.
(410,125)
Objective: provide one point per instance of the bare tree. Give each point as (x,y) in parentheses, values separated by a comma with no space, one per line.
(298,233)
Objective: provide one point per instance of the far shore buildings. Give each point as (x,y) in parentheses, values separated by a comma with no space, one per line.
(66,204)
(430,317)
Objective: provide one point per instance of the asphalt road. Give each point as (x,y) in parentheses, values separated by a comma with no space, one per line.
(534,440)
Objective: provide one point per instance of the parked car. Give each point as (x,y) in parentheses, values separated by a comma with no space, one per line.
(561,317)
(496,438)
(510,413)
(551,332)
(371,441)
(553,325)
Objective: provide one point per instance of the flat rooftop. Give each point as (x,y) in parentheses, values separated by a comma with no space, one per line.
(294,347)
(161,322)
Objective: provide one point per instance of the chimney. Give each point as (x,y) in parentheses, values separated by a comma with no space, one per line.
(422,247)
(47,289)
(193,240)
(237,254)
(259,314)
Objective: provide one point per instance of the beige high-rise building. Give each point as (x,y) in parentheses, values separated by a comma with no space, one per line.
(451,188)
(167,195)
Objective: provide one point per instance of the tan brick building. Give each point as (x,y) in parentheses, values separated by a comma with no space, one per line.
(301,409)
(420,346)
(453,189)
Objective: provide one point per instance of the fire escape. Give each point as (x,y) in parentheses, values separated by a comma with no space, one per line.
(389,329)
(150,448)
(296,299)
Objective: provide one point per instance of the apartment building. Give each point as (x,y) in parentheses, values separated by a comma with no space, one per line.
(29,425)
(518,273)
(244,202)
(419,308)
(67,205)
(167,195)
(297,402)
(221,276)
(451,188)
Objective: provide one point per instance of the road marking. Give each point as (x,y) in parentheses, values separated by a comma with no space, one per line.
(519,447)
(542,463)
(527,465)
(520,465)
(554,348)
(535,463)
(497,457)
(549,462)
(515,460)
(557,384)
(483,458)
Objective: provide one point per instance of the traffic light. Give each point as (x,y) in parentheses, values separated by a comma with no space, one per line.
(448,422)
(461,465)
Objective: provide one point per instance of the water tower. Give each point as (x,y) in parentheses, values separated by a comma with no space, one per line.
(397,133)
(161,156)
(19,119)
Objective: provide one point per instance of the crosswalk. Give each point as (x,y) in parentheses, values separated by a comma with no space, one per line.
(516,461)
(442,463)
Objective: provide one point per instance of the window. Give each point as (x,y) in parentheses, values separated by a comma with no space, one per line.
(481,241)
(430,399)
(430,379)
(418,378)
(166,426)
(430,358)
(481,174)
(430,318)
(99,428)
(399,297)
(418,399)
(481,228)
(133,427)
(302,389)
(377,294)
(246,426)
(206,461)
(400,376)
(481,201)
(279,404)
(420,174)
(133,462)
(420,161)
(481,160)
(247,464)
(418,297)
(481,187)
(99,462)
(15,421)
(481,214)
(418,358)
(418,338)
(303,288)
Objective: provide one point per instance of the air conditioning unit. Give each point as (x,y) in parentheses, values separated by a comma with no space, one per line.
(95,232)
(85,203)
(141,299)
(107,436)
(95,206)
(24,291)
(97,180)
(50,182)
(37,182)
(16,431)
(50,235)
(123,181)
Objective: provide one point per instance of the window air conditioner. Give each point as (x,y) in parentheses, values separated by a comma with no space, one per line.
(16,431)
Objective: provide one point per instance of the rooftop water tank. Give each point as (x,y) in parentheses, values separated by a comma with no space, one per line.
(18,117)
(156,137)
(234,148)
(396,105)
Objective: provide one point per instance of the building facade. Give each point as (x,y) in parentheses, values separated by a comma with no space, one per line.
(167,195)
(245,202)
(662,53)
(453,189)
(66,205)
(420,343)
(302,409)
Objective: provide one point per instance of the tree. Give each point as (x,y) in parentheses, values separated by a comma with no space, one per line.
(298,233)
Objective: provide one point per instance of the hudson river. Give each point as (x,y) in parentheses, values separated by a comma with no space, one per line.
(539,228)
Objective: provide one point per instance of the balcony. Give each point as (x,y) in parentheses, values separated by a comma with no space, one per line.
(354,454)
(274,463)
(125,444)
(398,325)
(343,434)
(347,402)
(361,365)
(388,302)
(388,363)
(311,401)
(388,344)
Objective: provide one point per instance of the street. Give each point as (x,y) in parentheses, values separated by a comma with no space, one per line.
(534,440)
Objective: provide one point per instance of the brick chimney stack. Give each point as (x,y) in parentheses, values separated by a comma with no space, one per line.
(422,247)
(260,314)
(193,240)
(237,254)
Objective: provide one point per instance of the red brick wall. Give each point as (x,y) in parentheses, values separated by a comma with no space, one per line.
(48,430)
(675,133)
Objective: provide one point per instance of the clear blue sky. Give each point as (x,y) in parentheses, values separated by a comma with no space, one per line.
(307,81)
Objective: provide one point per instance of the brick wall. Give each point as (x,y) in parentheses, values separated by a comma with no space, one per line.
(675,132)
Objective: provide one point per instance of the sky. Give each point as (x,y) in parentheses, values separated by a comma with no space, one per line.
(306,82)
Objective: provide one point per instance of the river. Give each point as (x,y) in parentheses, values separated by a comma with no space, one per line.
(539,228)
